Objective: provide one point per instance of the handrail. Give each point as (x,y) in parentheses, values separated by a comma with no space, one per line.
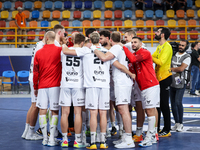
(99,27)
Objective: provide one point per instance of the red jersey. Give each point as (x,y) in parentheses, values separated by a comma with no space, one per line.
(143,66)
(47,67)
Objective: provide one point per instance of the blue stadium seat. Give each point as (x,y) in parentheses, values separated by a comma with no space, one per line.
(67,4)
(7,5)
(149,13)
(87,14)
(44,23)
(159,13)
(97,4)
(48,5)
(128,14)
(118,4)
(88,4)
(78,4)
(58,5)
(149,4)
(35,14)
(28,5)
(128,4)
(189,3)
(76,23)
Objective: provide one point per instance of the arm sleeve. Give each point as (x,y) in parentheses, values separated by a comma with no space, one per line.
(163,57)
(35,73)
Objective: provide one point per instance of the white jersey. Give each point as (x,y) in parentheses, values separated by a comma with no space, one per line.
(96,72)
(38,46)
(119,77)
(57,43)
(72,71)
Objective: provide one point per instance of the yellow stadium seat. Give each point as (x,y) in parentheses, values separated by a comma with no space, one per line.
(170,13)
(37,4)
(53,23)
(197,4)
(97,14)
(4,14)
(180,13)
(66,14)
(86,23)
(171,23)
(107,14)
(139,23)
(139,13)
(181,22)
(108,4)
(56,14)
(128,23)
(96,23)
(190,13)
(46,14)
(14,14)
(198,13)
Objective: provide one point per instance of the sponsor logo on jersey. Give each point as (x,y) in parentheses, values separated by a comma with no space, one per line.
(72,80)
(55,103)
(99,71)
(96,79)
(90,105)
(125,100)
(72,73)
(39,104)
(62,102)
(80,99)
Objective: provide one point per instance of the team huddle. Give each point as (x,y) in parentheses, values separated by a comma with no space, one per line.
(96,74)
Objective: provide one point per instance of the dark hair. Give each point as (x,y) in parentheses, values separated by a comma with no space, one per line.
(79,37)
(166,31)
(135,37)
(105,33)
(56,27)
(65,34)
(187,43)
(89,31)
(116,36)
(194,44)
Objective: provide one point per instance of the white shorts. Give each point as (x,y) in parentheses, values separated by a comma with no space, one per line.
(122,94)
(151,97)
(135,95)
(33,98)
(48,96)
(69,95)
(97,98)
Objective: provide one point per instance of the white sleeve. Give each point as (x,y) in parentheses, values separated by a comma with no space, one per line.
(82,51)
(113,60)
(115,51)
(187,61)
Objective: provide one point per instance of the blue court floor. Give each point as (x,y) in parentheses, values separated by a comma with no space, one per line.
(13,109)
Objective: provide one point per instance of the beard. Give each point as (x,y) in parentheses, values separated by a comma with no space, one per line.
(158,37)
(181,50)
(104,44)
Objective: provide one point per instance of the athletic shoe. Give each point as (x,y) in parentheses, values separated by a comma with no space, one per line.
(87,132)
(146,142)
(24,134)
(108,134)
(120,133)
(113,131)
(179,128)
(39,131)
(78,144)
(118,141)
(194,94)
(138,138)
(45,142)
(175,127)
(125,144)
(64,144)
(69,134)
(153,139)
(157,138)
(103,145)
(71,129)
(59,136)
(53,143)
(92,146)
(164,134)
(34,136)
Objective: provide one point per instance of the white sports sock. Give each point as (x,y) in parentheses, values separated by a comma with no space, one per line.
(139,131)
(156,128)
(128,137)
(151,123)
(65,136)
(31,130)
(43,125)
(78,138)
(54,123)
(119,121)
(93,137)
(113,124)
(26,127)
(102,137)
